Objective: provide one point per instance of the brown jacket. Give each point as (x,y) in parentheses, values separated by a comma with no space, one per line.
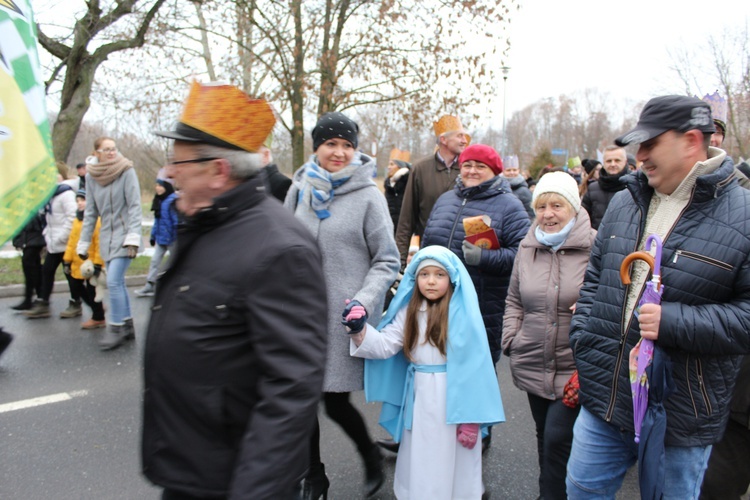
(543,286)
(429,178)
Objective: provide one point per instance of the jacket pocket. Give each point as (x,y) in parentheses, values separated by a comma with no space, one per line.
(697,389)
(701,258)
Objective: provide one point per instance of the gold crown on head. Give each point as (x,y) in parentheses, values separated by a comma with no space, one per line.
(397,154)
(225,112)
(449,123)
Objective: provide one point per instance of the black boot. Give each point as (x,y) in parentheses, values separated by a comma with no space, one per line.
(373,471)
(23,306)
(315,484)
(388,444)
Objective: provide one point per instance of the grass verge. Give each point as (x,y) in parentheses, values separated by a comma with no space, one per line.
(11,272)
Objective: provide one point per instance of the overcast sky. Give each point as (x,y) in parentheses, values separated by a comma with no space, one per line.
(561,46)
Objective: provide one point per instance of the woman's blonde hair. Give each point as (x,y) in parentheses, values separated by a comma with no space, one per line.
(437,321)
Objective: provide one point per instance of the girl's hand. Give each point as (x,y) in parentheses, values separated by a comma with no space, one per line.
(354,316)
(467,435)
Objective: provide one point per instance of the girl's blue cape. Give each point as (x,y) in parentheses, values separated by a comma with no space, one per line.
(473,392)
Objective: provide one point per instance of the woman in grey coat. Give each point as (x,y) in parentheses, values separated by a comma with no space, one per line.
(334,196)
(113,193)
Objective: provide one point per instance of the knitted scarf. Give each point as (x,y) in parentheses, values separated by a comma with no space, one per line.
(106,173)
(554,240)
(322,185)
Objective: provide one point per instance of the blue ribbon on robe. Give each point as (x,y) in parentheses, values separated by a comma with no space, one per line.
(473,394)
(407,403)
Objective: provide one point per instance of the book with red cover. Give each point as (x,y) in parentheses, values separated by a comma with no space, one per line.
(485,239)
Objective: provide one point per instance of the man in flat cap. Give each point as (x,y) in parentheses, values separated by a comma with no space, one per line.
(234,355)
(685,192)
(430,177)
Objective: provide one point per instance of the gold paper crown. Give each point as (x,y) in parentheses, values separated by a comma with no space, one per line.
(397,154)
(225,112)
(447,123)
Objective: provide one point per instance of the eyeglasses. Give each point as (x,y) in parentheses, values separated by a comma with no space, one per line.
(107,150)
(476,166)
(197,160)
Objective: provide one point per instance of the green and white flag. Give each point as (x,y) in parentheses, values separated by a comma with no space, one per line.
(27,170)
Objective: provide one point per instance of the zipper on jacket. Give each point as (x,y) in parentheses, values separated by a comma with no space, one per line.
(623,339)
(704,392)
(701,258)
(455,222)
(690,389)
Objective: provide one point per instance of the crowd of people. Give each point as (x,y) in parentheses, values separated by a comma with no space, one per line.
(274,299)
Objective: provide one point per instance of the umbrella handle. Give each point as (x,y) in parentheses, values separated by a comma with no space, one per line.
(625,266)
(653,242)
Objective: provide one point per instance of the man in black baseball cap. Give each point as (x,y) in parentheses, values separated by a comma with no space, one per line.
(669,112)
(686,194)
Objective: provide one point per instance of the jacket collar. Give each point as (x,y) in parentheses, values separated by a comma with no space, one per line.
(496,185)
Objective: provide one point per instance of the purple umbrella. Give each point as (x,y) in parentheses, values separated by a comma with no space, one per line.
(651,384)
(643,352)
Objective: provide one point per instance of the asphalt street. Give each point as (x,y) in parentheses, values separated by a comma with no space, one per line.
(70,421)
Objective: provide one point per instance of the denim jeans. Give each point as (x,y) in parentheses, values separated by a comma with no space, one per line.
(156,258)
(602,454)
(118,292)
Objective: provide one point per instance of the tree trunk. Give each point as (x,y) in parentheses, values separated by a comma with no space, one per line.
(298,91)
(73,107)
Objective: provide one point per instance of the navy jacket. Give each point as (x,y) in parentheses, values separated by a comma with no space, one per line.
(510,222)
(164,230)
(705,307)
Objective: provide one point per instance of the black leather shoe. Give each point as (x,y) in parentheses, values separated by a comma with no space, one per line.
(315,485)
(388,445)
(374,476)
(23,306)
(5,340)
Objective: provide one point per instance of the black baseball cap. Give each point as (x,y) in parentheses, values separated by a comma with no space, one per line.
(187,133)
(669,112)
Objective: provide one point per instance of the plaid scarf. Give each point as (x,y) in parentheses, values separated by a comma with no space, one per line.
(323,184)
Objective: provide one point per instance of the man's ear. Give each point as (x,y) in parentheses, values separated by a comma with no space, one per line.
(221,173)
(694,139)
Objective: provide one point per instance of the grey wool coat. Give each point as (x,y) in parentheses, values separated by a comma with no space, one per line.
(360,261)
(119,206)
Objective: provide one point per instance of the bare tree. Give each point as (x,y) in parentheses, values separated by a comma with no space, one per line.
(77,65)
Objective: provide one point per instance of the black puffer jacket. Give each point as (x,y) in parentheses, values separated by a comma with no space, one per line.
(492,276)
(32,233)
(705,314)
(600,193)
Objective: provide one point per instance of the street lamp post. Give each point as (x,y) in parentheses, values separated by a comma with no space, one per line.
(505,70)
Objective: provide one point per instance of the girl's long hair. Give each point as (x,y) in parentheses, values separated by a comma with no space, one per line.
(437,321)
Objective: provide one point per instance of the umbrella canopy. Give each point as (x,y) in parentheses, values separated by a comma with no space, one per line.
(650,381)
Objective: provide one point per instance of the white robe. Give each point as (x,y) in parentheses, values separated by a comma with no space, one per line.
(431,463)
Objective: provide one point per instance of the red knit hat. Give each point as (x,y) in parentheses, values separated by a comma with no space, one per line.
(483,154)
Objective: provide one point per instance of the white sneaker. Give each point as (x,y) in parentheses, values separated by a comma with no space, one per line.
(146,291)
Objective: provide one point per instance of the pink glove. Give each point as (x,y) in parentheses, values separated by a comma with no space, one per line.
(354,316)
(467,435)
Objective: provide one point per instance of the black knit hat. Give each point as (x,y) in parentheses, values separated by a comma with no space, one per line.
(334,125)
(589,165)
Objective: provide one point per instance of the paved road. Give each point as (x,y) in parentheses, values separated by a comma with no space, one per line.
(86,447)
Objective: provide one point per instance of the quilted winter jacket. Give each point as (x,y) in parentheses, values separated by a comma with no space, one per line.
(543,286)
(510,222)
(705,310)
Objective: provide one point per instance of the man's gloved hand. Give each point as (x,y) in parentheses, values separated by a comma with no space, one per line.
(467,435)
(152,241)
(66,268)
(472,253)
(132,251)
(354,316)
(97,270)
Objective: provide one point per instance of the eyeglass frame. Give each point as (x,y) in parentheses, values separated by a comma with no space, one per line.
(196,160)
(107,150)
